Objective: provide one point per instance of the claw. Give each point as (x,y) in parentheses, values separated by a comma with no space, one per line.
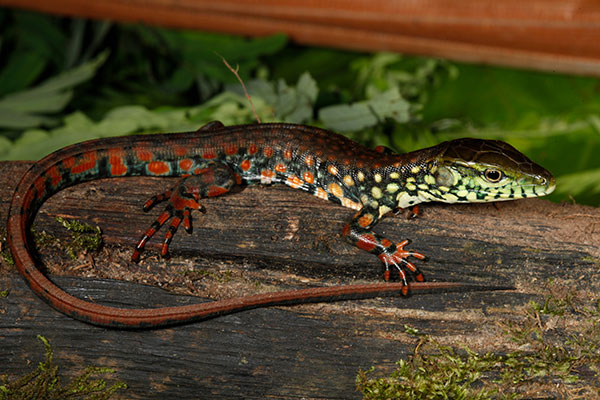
(179,208)
(398,260)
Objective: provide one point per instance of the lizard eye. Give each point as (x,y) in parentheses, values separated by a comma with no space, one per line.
(492,175)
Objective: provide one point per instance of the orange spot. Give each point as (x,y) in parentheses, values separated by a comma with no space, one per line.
(294,181)
(266,176)
(216,191)
(366,220)
(322,194)
(115,159)
(351,204)
(245,165)
(54,175)
(180,151)
(186,164)
(385,243)
(144,155)
(268,151)
(85,163)
(332,169)
(69,162)
(366,242)
(335,190)
(158,168)
(118,169)
(209,154)
(309,177)
(252,148)
(40,186)
(309,160)
(230,149)
(287,154)
(279,167)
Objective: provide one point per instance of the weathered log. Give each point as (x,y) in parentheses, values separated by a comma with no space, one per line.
(275,238)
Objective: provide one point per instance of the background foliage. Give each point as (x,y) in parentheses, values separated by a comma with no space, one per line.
(68,80)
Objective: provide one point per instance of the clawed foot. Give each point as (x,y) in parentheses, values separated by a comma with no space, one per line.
(181,201)
(398,260)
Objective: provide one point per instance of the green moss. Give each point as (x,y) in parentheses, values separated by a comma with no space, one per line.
(4,251)
(44,383)
(592,260)
(560,339)
(84,237)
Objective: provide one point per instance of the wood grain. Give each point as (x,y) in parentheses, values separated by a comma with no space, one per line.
(552,35)
(274,238)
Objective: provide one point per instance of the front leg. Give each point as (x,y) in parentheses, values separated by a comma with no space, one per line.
(213,180)
(359,232)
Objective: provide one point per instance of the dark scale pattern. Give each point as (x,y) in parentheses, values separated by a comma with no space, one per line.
(212,160)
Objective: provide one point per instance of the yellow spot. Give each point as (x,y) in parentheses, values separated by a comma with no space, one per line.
(444,188)
(450,198)
(429,179)
(415,169)
(462,193)
(410,179)
(360,176)
(411,187)
(364,199)
(404,200)
(392,187)
(394,175)
(348,180)
(423,186)
(332,169)
(377,178)
(384,210)
(376,192)
(472,196)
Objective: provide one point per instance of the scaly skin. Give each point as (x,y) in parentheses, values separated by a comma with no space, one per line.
(215,158)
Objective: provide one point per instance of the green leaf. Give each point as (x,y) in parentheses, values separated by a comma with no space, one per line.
(364,114)
(21,110)
(12,119)
(579,183)
(289,103)
(20,71)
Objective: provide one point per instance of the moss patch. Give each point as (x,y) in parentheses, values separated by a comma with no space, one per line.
(44,383)
(558,355)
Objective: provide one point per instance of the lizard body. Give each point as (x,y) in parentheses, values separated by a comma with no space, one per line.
(214,159)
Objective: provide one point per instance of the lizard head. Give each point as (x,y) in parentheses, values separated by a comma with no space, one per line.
(476,170)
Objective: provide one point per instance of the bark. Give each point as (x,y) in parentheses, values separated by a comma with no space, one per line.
(275,238)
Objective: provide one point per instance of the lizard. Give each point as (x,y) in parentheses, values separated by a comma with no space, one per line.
(215,158)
